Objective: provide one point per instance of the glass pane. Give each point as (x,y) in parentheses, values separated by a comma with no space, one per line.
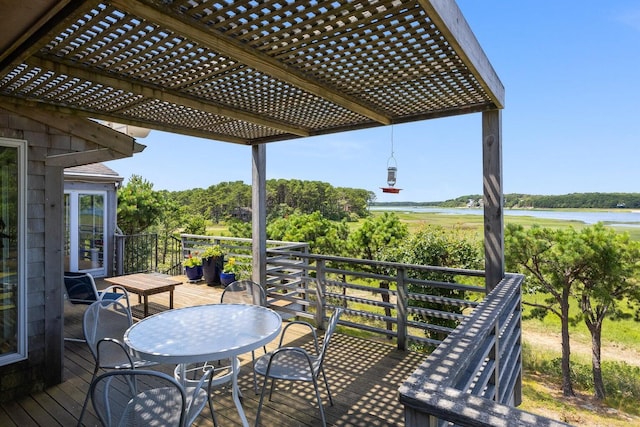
(9,199)
(90,231)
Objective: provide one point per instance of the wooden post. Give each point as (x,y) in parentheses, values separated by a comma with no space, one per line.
(119,270)
(321,307)
(493,197)
(259,214)
(53,261)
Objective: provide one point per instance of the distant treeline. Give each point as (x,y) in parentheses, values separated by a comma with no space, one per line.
(284,196)
(516,200)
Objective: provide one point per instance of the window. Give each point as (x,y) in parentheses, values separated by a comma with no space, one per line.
(13,327)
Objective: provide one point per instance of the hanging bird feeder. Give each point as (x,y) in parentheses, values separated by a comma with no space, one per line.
(392,172)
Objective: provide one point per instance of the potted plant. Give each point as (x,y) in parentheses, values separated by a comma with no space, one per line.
(193,267)
(212,262)
(230,272)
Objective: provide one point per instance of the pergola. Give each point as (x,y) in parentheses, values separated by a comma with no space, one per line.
(249,72)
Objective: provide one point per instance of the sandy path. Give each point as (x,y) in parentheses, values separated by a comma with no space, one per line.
(610,352)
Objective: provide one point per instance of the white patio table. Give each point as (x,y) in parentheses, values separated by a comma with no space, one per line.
(202,333)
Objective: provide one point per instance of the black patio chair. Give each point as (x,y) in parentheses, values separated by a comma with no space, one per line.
(80,288)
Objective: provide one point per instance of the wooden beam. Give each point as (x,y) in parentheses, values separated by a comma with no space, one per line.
(53,305)
(162,94)
(449,20)
(232,48)
(53,21)
(33,27)
(83,157)
(110,117)
(75,125)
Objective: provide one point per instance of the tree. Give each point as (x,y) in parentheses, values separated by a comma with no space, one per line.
(169,222)
(195,224)
(371,240)
(376,234)
(614,264)
(139,206)
(323,236)
(551,261)
(596,266)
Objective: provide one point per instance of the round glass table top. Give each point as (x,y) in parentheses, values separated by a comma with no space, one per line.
(201,333)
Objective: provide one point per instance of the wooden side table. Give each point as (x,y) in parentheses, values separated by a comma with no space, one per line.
(145,284)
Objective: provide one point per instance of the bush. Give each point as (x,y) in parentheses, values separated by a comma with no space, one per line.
(622,385)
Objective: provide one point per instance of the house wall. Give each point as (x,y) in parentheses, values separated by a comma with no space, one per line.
(44,257)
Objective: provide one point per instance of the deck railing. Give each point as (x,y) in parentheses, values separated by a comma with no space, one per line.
(144,252)
(135,253)
(472,378)
(237,247)
(416,305)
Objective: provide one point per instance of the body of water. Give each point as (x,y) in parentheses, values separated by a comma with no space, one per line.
(622,218)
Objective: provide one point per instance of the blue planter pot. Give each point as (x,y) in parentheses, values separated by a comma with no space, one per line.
(227,278)
(193,273)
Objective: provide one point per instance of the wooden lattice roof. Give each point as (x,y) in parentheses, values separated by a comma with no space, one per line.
(246,71)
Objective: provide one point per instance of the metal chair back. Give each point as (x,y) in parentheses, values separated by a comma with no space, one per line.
(104,324)
(244,292)
(106,319)
(138,397)
(81,289)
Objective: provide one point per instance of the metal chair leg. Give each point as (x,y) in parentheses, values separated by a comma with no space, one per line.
(315,385)
(326,383)
(86,399)
(264,386)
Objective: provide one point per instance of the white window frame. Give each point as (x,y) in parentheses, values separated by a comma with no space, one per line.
(22,339)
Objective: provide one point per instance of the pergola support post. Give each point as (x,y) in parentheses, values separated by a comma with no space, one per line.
(259,214)
(493,197)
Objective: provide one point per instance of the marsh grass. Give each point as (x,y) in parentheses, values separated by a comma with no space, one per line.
(416,220)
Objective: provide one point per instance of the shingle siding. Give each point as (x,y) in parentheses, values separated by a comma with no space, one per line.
(44,257)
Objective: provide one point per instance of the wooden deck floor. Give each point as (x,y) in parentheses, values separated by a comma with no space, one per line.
(364,377)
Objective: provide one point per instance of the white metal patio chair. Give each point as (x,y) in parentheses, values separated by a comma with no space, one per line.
(244,292)
(296,364)
(104,324)
(137,397)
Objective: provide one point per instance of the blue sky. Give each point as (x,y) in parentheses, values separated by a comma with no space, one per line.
(571,123)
